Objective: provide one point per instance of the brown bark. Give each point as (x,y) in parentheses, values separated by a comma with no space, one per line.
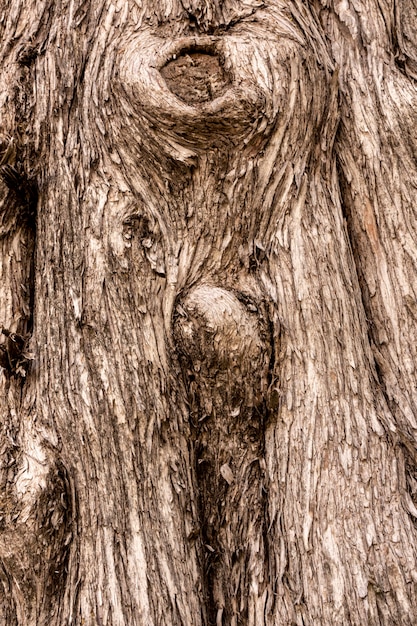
(214,425)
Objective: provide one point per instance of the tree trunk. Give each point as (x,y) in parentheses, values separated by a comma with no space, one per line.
(208,300)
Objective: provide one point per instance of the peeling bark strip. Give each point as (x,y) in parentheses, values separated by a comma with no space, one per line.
(202,437)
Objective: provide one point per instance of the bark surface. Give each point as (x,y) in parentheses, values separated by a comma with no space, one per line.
(208,303)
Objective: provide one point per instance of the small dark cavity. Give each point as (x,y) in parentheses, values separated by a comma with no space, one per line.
(196,77)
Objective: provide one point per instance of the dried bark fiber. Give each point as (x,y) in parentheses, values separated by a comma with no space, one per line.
(218,426)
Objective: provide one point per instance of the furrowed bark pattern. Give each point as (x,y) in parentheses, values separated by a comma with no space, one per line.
(377,159)
(205,143)
(35,504)
(202,437)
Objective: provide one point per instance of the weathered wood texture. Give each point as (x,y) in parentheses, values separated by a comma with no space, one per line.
(218,426)
(376,148)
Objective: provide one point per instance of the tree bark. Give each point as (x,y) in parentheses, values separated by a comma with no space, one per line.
(208,400)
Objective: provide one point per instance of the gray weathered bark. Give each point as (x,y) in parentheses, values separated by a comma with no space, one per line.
(207,248)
